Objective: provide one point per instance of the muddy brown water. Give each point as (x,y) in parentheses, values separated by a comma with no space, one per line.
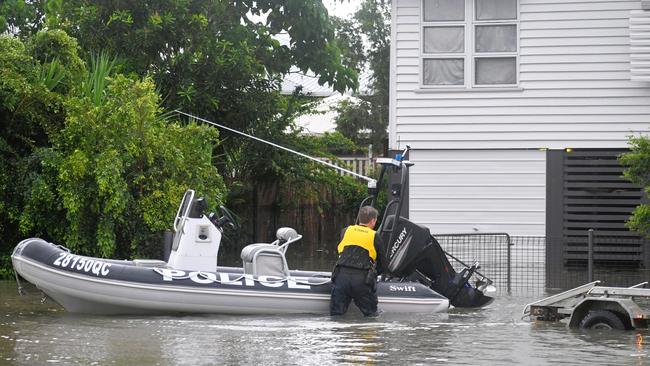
(35,333)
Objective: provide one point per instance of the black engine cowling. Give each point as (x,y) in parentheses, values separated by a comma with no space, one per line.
(415,254)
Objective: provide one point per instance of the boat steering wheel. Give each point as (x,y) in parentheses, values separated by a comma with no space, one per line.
(227,219)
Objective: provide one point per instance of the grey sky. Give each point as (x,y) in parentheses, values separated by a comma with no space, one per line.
(342,9)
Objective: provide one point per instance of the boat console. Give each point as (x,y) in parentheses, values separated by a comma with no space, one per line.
(196,238)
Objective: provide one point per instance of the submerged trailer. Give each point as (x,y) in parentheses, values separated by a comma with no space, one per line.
(595,307)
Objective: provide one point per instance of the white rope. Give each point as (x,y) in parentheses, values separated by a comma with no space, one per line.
(368,179)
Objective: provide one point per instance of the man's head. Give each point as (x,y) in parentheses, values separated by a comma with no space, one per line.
(368,216)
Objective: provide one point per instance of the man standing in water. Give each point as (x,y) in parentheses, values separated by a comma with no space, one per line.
(360,260)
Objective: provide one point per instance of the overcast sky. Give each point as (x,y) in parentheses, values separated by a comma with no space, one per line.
(342,9)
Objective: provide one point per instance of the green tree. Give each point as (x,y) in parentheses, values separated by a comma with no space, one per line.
(20,17)
(56,46)
(366,121)
(179,42)
(96,164)
(116,172)
(637,170)
(30,112)
(217,59)
(29,109)
(221,61)
(350,41)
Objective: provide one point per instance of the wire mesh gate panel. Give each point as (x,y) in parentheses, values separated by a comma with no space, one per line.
(518,264)
(528,264)
(492,251)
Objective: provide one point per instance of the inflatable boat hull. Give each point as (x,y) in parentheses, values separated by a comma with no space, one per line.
(100,286)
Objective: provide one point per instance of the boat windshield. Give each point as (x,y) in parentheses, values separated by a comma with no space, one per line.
(183,210)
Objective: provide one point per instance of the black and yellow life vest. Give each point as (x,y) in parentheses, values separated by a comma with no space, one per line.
(357,248)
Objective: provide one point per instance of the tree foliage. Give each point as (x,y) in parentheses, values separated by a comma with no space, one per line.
(28,108)
(30,112)
(22,17)
(366,121)
(177,40)
(57,47)
(89,154)
(637,170)
(350,41)
(220,60)
(107,180)
(120,167)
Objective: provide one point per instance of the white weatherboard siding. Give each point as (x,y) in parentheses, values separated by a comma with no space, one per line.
(461,191)
(574,90)
(640,44)
(479,166)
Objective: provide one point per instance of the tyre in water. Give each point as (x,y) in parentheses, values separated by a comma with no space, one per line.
(602,319)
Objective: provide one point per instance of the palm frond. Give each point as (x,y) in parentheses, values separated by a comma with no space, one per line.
(51,74)
(94,87)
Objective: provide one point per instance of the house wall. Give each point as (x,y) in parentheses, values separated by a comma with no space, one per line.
(464,191)
(574,90)
(480,154)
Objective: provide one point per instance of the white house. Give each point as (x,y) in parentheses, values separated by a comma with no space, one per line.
(513,109)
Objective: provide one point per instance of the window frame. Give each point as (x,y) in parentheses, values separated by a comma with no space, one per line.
(469,56)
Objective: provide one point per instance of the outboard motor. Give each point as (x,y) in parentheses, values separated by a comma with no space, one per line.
(435,266)
(415,254)
(409,241)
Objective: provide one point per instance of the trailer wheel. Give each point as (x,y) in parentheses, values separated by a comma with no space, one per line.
(601,319)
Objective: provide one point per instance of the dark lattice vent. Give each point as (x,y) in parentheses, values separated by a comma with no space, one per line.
(597,196)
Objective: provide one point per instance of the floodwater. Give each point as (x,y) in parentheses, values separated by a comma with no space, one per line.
(33,333)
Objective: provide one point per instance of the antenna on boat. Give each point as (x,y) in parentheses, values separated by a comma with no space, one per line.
(372,183)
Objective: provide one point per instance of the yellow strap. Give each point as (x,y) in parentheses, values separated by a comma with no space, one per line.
(360,236)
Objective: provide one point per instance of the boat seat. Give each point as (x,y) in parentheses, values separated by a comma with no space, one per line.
(264,260)
(268,259)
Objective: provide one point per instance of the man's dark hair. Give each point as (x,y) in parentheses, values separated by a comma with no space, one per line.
(366,214)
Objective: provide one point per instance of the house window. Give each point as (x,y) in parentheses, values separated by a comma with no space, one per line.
(469,43)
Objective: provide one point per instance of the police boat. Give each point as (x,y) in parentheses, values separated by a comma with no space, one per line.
(419,277)
(191,281)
